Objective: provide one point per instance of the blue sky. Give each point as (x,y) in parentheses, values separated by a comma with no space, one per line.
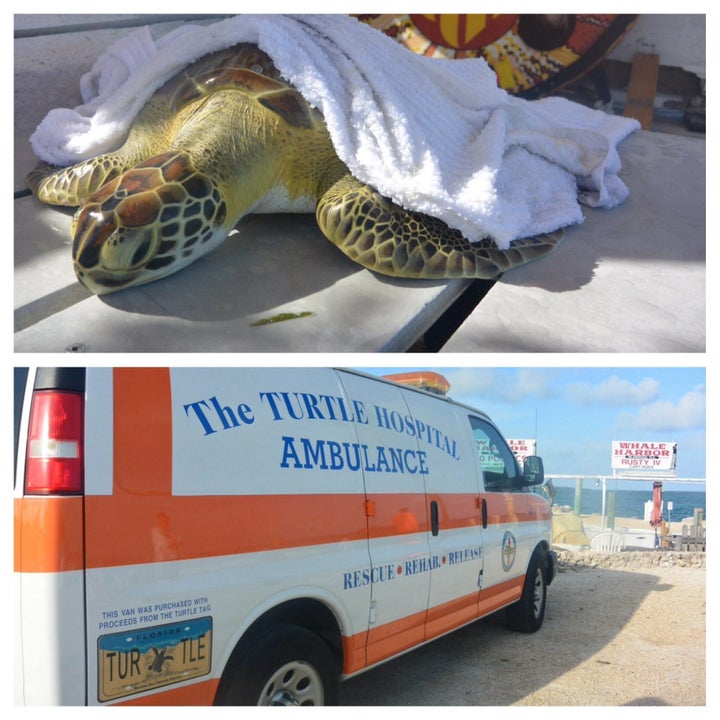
(581,411)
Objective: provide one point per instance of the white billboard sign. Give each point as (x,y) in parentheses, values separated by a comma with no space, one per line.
(523,448)
(643,455)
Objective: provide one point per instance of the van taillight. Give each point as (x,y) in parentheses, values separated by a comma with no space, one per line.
(55,449)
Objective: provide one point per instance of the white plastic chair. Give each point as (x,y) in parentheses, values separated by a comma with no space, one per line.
(607,542)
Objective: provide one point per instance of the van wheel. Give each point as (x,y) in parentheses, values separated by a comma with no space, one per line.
(286,666)
(528,613)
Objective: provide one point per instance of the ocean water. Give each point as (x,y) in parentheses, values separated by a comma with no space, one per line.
(631,503)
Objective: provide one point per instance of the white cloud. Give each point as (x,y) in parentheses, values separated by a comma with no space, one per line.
(509,386)
(467,382)
(530,382)
(663,415)
(614,391)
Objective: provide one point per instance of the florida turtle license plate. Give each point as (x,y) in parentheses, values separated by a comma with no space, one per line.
(140,660)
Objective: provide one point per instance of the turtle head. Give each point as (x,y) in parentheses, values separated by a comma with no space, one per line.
(149,222)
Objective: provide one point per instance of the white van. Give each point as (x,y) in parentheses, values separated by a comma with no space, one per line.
(252,536)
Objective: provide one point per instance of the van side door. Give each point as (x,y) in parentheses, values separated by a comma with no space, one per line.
(395,470)
(453,501)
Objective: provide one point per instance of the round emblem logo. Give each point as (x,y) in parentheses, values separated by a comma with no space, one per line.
(509,550)
(464,32)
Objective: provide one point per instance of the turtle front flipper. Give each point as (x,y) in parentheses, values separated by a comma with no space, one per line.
(382,236)
(71,186)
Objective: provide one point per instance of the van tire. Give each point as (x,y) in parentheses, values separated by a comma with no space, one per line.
(287,665)
(528,613)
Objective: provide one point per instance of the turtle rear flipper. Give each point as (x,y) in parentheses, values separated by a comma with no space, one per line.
(382,236)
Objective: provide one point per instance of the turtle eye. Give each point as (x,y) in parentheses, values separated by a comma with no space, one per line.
(141,253)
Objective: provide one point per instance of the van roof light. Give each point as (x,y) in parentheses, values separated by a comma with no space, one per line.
(422,379)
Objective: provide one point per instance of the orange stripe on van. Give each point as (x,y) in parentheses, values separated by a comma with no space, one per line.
(48,534)
(391,638)
(142,420)
(131,528)
(450,615)
(443,618)
(394,637)
(493,598)
(354,652)
(508,508)
(136,529)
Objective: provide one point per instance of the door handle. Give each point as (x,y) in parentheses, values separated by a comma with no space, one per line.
(483,513)
(434,518)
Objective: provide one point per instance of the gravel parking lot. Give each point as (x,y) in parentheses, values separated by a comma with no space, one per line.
(630,636)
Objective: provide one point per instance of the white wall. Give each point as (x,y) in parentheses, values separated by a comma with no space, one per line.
(678,39)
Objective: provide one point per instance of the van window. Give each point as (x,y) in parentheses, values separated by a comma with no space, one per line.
(496,459)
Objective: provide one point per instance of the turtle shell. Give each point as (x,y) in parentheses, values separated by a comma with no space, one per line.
(244,67)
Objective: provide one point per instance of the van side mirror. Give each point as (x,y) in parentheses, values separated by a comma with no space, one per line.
(533,471)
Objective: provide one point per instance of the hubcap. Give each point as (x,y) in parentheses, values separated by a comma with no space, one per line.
(538,593)
(295,683)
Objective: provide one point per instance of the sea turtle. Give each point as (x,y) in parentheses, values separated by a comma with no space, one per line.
(225,137)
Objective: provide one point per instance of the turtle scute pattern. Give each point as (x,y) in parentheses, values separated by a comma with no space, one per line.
(225,137)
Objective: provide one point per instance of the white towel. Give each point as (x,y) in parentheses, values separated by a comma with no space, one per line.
(437,136)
